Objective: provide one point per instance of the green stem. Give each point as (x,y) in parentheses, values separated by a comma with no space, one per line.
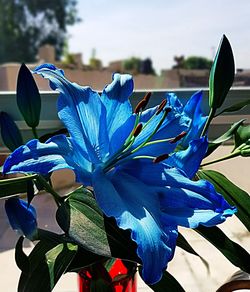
(232,155)
(210,117)
(34,131)
(49,189)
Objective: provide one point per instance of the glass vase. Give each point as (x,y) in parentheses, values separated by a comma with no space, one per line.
(114,275)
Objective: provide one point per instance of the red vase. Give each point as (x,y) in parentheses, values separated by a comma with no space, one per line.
(119,278)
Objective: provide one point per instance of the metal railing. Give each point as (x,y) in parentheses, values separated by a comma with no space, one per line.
(50,122)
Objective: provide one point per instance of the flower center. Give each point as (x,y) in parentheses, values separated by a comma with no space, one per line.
(134,142)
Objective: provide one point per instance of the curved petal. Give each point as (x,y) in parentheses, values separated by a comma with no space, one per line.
(183,201)
(57,153)
(189,160)
(193,110)
(115,98)
(82,112)
(135,206)
(184,207)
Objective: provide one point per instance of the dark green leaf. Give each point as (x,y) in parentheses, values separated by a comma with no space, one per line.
(233,194)
(58,259)
(21,258)
(167,284)
(183,243)
(223,138)
(12,186)
(28,97)
(236,107)
(83,221)
(11,135)
(231,250)
(221,74)
(48,260)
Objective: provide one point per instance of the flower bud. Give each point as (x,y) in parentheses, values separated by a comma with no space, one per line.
(28,97)
(222,74)
(22,217)
(10,133)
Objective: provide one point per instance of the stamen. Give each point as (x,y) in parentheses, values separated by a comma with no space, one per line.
(178,137)
(137,130)
(147,96)
(143,103)
(140,106)
(161,107)
(160,158)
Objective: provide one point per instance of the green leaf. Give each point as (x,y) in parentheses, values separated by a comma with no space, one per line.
(221,74)
(81,218)
(48,260)
(58,259)
(10,133)
(237,255)
(236,107)
(28,97)
(21,258)
(223,138)
(167,284)
(233,194)
(184,244)
(12,186)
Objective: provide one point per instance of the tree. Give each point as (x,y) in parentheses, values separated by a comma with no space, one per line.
(137,65)
(25,25)
(193,62)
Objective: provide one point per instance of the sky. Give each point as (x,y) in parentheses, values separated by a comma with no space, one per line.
(161,29)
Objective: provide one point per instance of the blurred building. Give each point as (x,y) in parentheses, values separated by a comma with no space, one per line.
(97,76)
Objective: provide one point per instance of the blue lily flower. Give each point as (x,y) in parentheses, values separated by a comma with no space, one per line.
(22,217)
(130,161)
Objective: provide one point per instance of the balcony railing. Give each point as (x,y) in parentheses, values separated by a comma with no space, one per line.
(50,122)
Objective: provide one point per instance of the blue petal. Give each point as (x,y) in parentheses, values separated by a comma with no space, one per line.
(183,201)
(82,112)
(135,206)
(193,110)
(57,153)
(189,160)
(22,217)
(115,98)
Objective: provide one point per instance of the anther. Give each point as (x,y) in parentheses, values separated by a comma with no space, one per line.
(140,106)
(137,130)
(178,137)
(161,106)
(143,103)
(160,158)
(147,96)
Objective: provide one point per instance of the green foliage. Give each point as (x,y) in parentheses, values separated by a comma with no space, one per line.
(212,146)
(167,284)
(192,62)
(232,193)
(83,221)
(25,25)
(242,135)
(137,65)
(132,64)
(12,186)
(46,263)
(237,255)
